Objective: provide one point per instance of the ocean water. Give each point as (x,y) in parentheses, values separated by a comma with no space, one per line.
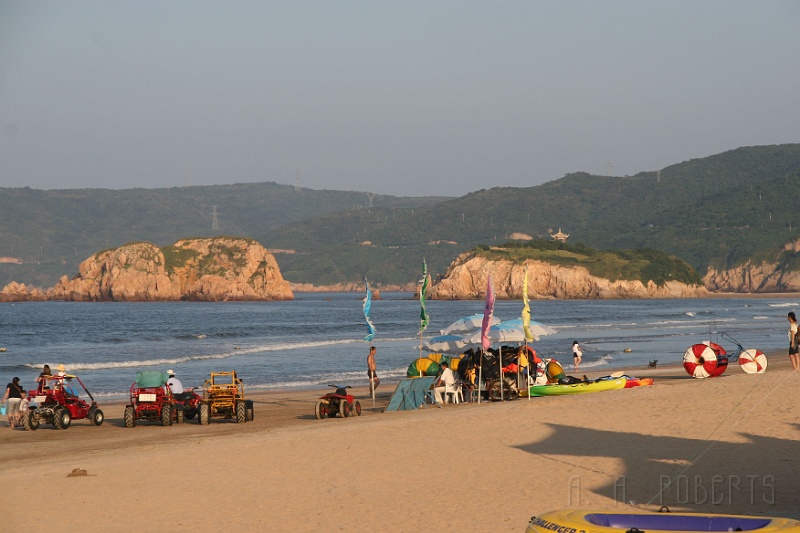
(318,338)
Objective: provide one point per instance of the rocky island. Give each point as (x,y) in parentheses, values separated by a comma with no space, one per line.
(206,270)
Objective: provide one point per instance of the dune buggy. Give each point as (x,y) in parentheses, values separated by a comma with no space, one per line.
(57,402)
(223,397)
(152,400)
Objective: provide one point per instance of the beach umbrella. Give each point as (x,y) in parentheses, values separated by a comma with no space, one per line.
(466,324)
(512,331)
(450,344)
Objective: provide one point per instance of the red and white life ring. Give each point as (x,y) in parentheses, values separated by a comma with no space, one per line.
(700,361)
(753,361)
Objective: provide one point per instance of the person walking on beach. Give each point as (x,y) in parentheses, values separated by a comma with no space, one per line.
(577,354)
(14,395)
(793,341)
(372,370)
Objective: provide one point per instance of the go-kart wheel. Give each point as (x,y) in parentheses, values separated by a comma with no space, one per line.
(96,417)
(320,410)
(240,413)
(203,414)
(61,418)
(179,415)
(166,415)
(30,421)
(344,408)
(357,408)
(129,417)
(189,413)
(248,410)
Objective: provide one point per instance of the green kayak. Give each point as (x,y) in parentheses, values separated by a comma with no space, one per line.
(554,389)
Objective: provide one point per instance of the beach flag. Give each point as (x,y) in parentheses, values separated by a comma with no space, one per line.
(488,312)
(423,313)
(526,308)
(367,309)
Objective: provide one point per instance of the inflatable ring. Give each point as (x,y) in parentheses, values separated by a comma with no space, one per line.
(700,361)
(753,361)
(610,522)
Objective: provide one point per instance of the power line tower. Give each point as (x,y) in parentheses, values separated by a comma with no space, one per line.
(214,220)
(370,195)
(296,179)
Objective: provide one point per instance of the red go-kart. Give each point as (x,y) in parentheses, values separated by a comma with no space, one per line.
(152,400)
(337,402)
(57,402)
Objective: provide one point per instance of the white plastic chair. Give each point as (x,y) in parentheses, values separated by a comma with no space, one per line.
(457,390)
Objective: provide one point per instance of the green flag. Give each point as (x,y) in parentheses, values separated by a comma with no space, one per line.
(423,314)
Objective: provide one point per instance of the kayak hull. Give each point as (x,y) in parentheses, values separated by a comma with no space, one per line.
(607,522)
(554,389)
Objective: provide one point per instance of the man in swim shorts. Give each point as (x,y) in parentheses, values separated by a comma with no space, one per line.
(371,370)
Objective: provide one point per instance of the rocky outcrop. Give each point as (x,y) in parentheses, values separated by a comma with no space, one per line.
(759,277)
(19,292)
(210,270)
(467,276)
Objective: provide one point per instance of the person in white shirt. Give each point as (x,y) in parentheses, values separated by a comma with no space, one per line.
(577,354)
(174,383)
(446,381)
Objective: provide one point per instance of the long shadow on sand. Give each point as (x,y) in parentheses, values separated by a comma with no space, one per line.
(760,475)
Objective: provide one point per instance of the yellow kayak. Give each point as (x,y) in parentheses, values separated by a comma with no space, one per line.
(575,521)
(554,389)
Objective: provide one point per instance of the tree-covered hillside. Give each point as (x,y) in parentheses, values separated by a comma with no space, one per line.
(51,231)
(716,210)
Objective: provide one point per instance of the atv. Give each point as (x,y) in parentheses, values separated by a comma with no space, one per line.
(337,402)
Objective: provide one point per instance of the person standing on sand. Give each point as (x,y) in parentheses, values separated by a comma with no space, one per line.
(14,395)
(371,370)
(577,354)
(793,344)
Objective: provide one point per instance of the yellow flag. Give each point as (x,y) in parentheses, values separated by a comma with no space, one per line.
(526,308)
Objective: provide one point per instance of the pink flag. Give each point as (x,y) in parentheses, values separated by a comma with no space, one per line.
(488,312)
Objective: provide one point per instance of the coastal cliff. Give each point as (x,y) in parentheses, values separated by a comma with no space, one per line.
(467,276)
(209,270)
(777,275)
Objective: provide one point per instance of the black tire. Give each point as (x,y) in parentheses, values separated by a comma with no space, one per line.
(30,421)
(61,418)
(248,411)
(96,417)
(357,408)
(179,415)
(320,410)
(344,408)
(129,417)
(190,413)
(240,413)
(203,414)
(166,415)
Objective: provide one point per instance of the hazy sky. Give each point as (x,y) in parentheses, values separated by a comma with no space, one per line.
(396,97)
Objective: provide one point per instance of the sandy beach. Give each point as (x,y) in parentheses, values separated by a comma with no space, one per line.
(722,445)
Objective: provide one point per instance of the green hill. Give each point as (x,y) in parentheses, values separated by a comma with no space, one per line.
(716,210)
(52,231)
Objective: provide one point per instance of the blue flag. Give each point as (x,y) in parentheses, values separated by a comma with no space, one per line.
(367,308)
